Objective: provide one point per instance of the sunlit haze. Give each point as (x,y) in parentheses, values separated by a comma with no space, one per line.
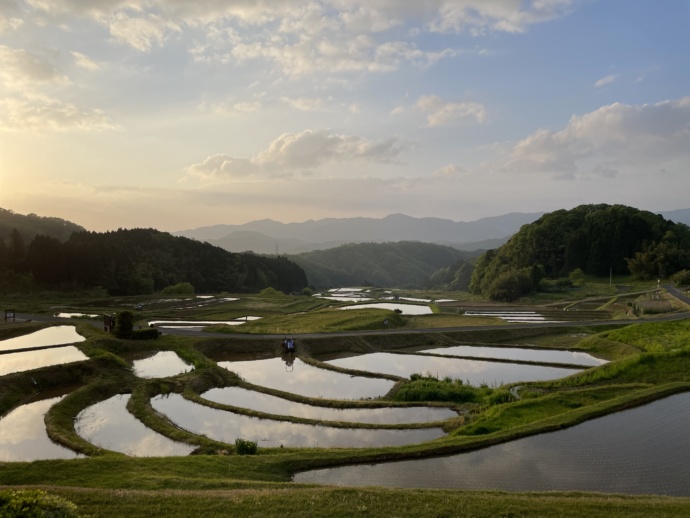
(176,114)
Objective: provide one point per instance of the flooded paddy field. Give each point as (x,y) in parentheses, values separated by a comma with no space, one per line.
(243,398)
(645,450)
(161,365)
(29,360)
(295,376)
(23,436)
(226,427)
(474,372)
(50,336)
(109,425)
(518,353)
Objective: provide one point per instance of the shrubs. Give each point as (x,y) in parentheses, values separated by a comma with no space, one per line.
(245,447)
(181,288)
(35,504)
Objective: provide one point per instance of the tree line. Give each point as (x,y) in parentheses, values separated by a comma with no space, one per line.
(139,261)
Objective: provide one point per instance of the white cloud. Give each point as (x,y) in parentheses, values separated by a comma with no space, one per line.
(607,141)
(305,104)
(10,15)
(449,171)
(84,62)
(231,108)
(34,112)
(607,80)
(441,113)
(298,151)
(143,31)
(21,68)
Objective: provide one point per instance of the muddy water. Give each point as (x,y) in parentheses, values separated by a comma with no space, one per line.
(57,335)
(519,353)
(303,379)
(109,425)
(645,450)
(23,435)
(161,365)
(226,427)
(20,362)
(266,403)
(474,372)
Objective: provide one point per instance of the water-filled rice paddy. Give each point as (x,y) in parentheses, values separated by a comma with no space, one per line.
(226,427)
(161,365)
(23,436)
(50,336)
(644,450)
(266,403)
(519,353)
(474,372)
(303,379)
(29,360)
(109,425)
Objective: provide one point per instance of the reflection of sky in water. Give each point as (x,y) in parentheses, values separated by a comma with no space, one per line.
(109,425)
(23,435)
(258,401)
(160,365)
(57,335)
(517,353)
(306,380)
(407,309)
(513,316)
(226,427)
(643,450)
(475,372)
(77,315)
(20,362)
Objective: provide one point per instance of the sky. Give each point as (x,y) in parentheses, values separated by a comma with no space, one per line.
(177,114)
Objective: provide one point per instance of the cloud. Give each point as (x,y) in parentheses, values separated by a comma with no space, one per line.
(10,15)
(84,62)
(20,68)
(305,104)
(449,171)
(298,151)
(37,112)
(607,80)
(441,113)
(230,108)
(142,32)
(607,141)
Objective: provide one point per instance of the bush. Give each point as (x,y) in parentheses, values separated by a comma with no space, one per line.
(245,447)
(270,292)
(510,285)
(35,504)
(124,324)
(181,288)
(145,334)
(682,278)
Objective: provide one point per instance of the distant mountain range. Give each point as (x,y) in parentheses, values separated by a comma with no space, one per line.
(268,236)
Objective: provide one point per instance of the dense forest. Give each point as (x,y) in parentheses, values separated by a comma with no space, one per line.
(405,264)
(593,239)
(30,225)
(138,261)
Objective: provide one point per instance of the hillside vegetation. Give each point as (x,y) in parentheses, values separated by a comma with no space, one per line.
(139,261)
(31,225)
(598,240)
(405,264)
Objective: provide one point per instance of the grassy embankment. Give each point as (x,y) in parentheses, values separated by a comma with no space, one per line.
(654,363)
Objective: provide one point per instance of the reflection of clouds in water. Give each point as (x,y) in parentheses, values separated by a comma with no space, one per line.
(306,380)
(517,353)
(109,425)
(56,335)
(29,360)
(23,435)
(642,450)
(226,427)
(473,371)
(160,365)
(274,405)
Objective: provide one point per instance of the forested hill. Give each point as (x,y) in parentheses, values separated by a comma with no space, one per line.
(403,264)
(140,261)
(596,239)
(30,225)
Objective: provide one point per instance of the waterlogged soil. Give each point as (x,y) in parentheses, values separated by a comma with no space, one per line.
(109,425)
(243,398)
(227,427)
(474,372)
(23,436)
(161,365)
(297,377)
(29,360)
(519,353)
(50,336)
(645,450)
